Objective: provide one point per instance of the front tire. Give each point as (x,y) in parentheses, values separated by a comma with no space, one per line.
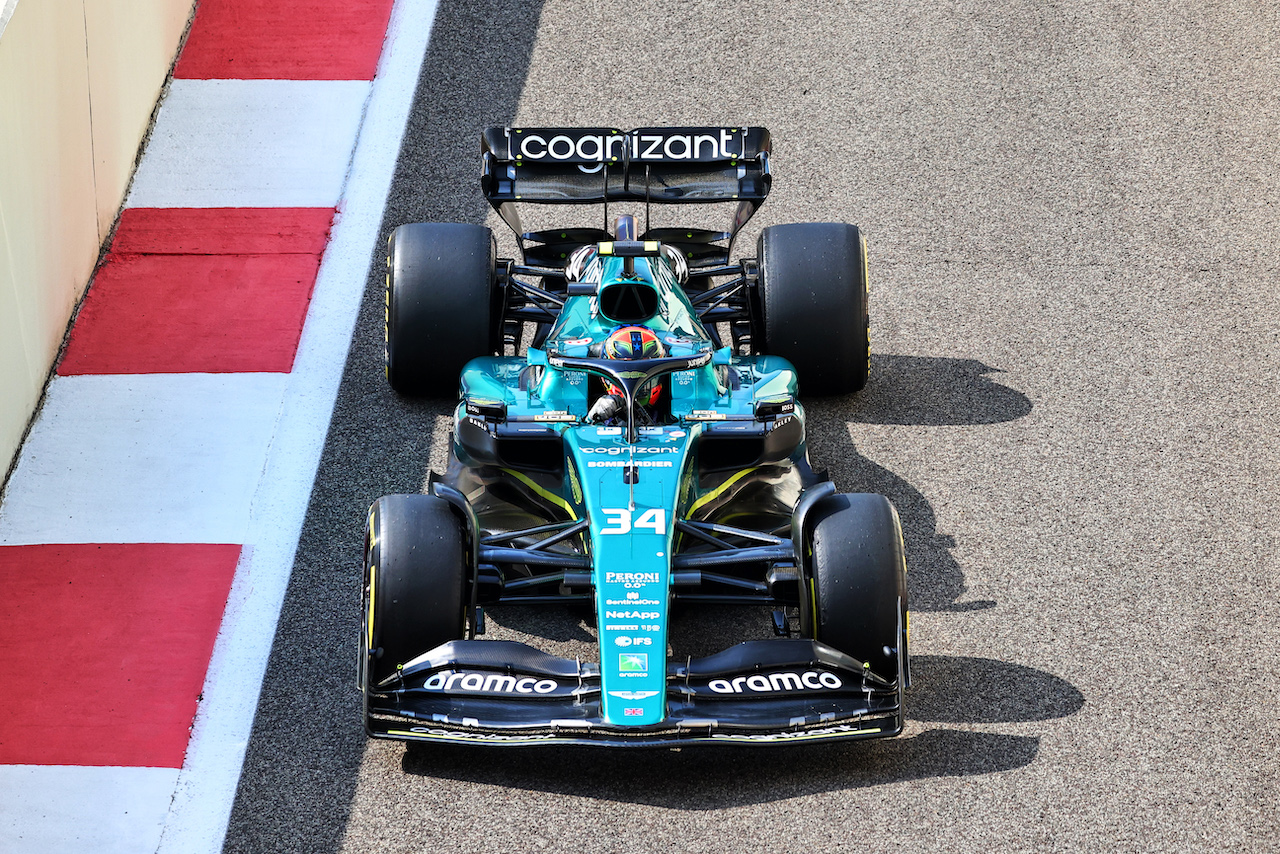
(859,592)
(415,583)
(443,304)
(812,303)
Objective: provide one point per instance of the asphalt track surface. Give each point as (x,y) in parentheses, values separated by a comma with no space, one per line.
(1072,210)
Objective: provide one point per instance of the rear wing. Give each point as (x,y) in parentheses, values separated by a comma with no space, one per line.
(673,165)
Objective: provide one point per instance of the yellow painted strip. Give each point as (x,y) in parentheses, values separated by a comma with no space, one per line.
(813,598)
(719,490)
(550,496)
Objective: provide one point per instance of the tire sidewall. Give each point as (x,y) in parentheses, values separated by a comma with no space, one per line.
(859,580)
(812,284)
(415,582)
(443,304)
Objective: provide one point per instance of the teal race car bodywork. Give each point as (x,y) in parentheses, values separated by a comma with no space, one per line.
(697,488)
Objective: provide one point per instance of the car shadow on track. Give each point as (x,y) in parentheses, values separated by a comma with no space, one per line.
(913,391)
(949,690)
(934,577)
(936,392)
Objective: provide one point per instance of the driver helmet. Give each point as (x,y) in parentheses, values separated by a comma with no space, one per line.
(635,342)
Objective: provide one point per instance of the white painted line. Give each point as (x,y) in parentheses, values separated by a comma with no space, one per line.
(206,789)
(143,458)
(251,143)
(56,808)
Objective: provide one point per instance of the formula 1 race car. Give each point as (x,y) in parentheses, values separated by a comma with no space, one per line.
(647,449)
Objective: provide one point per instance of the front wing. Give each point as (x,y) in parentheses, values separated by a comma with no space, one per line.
(758,692)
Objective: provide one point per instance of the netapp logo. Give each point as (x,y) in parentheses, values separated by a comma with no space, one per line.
(810,680)
(631,615)
(489,683)
(610,148)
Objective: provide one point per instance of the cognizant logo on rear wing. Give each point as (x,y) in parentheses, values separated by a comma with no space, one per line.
(594,165)
(589,148)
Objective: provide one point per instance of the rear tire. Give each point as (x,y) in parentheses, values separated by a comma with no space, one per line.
(813,303)
(444,307)
(860,580)
(415,582)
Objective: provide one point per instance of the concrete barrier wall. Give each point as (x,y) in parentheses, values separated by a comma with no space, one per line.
(78,82)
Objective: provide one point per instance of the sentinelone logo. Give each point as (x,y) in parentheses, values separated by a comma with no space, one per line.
(586,147)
